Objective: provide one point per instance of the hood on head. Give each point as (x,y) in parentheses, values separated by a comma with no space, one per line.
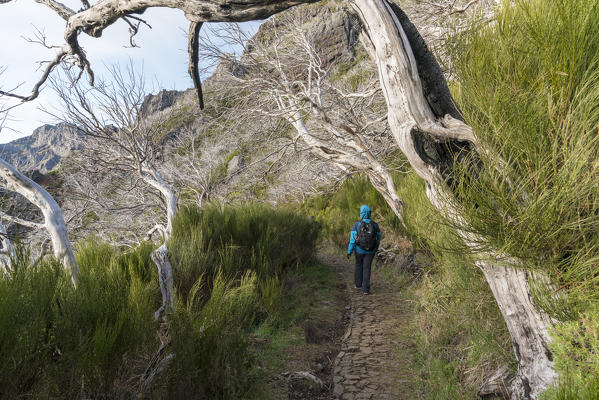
(364,212)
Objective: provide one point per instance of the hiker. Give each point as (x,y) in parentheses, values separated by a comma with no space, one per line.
(364,241)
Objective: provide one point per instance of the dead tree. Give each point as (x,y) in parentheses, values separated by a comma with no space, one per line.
(194,171)
(122,143)
(106,204)
(419,125)
(424,122)
(286,77)
(53,221)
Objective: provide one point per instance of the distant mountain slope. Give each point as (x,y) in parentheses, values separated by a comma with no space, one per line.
(43,149)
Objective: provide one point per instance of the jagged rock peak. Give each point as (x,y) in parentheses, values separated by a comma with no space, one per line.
(334,28)
(157,102)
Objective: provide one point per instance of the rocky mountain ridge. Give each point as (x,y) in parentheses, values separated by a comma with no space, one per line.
(49,144)
(43,149)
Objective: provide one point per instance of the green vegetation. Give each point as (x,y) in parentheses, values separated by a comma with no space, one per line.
(180,117)
(62,342)
(529,86)
(338,211)
(228,267)
(236,239)
(455,328)
(576,350)
(231,265)
(345,68)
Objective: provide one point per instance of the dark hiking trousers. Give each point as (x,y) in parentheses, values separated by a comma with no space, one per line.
(362,271)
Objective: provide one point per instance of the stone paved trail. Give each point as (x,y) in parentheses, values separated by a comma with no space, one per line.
(369,365)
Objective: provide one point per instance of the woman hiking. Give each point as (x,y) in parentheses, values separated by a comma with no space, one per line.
(364,240)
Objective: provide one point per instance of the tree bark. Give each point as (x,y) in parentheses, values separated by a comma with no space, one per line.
(154,179)
(160,255)
(382,181)
(7,247)
(527,326)
(428,128)
(53,219)
(165,279)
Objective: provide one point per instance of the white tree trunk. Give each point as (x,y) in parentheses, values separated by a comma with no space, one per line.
(417,128)
(528,328)
(165,279)
(154,179)
(7,247)
(382,181)
(160,255)
(53,219)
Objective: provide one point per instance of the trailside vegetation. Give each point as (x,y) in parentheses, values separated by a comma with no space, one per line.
(99,338)
(528,84)
(457,335)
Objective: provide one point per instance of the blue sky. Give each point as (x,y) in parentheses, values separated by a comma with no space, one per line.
(162,52)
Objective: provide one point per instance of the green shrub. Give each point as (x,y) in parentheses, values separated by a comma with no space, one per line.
(576,351)
(26,317)
(58,341)
(227,262)
(62,342)
(529,87)
(210,340)
(237,239)
(271,293)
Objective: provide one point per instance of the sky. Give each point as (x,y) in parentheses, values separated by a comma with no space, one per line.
(162,55)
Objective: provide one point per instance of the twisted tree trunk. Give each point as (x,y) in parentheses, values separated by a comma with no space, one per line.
(428,128)
(160,255)
(527,325)
(53,219)
(8,249)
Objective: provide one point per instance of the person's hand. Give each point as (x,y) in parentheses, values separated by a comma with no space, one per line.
(348,256)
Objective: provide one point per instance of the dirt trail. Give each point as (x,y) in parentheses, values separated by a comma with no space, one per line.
(370,364)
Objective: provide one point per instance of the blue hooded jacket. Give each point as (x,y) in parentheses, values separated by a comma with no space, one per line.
(364,216)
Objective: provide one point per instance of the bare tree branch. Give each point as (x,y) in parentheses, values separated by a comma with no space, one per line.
(193,50)
(20,221)
(63,11)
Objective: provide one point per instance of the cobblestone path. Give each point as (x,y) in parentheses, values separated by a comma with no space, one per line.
(368,366)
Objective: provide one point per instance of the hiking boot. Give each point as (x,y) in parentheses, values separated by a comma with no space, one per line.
(357,287)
